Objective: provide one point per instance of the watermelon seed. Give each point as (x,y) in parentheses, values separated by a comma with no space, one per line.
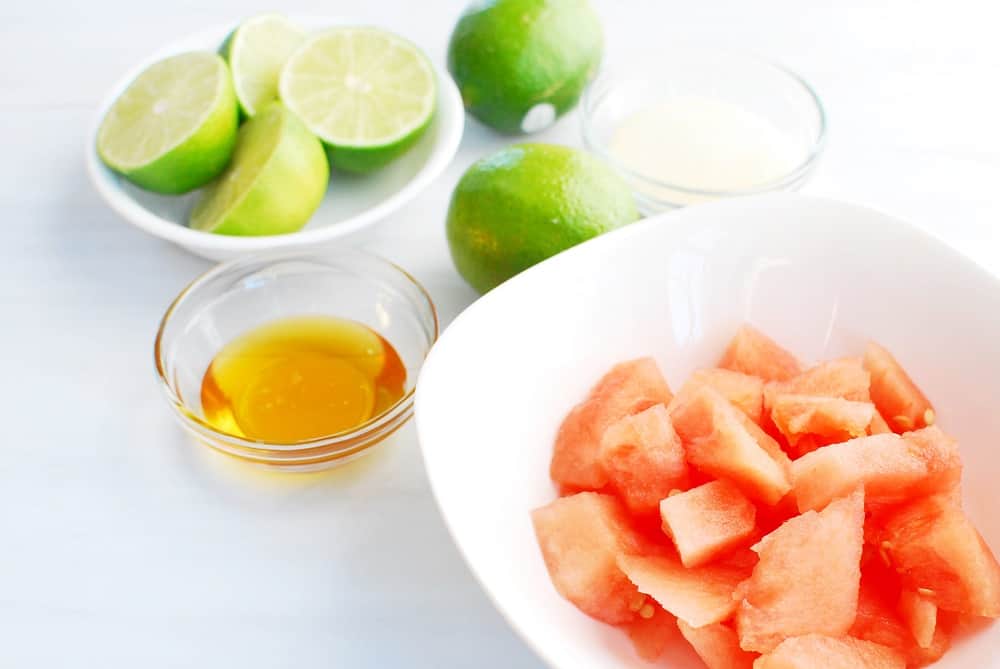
(883,551)
(929,417)
(636,602)
(647,611)
(903,422)
(925,592)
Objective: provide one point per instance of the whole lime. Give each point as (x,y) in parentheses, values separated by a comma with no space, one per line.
(520,64)
(526,203)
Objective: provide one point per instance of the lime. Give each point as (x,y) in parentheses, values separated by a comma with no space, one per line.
(174,127)
(520,64)
(275,182)
(368,94)
(256,51)
(526,203)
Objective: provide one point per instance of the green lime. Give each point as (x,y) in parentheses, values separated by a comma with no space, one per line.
(275,182)
(174,127)
(521,64)
(526,203)
(368,94)
(256,51)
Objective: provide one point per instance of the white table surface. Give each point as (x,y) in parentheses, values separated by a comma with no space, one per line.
(123,545)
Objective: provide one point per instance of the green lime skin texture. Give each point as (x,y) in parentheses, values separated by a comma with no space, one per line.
(274,183)
(527,203)
(521,64)
(174,127)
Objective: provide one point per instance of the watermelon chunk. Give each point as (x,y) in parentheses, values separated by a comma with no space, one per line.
(754,353)
(628,388)
(716,439)
(768,443)
(581,538)
(920,614)
(653,630)
(644,459)
(707,521)
(878,424)
(878,619)
(717,645)
(828,419)
(744,391)
(699,596)
(891,468)
(846,378)
(807,579)
(812,651)
(939,554)
(897,397)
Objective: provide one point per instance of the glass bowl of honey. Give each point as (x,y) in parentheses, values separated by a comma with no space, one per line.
(296,361)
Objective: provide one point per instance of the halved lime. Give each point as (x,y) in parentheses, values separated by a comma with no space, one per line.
(367,93)
(274,183)
(256,51)
(174,127)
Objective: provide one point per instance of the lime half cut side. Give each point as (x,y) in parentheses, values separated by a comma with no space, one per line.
(274,183)
(257,51)
(174,127)
(366,93)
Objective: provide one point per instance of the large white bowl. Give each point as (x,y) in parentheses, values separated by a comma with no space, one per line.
(820,276)
(352,202)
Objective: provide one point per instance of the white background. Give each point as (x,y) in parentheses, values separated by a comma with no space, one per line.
(122,544)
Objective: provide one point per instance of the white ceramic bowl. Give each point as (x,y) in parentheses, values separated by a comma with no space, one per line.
(352,202)
(820,276)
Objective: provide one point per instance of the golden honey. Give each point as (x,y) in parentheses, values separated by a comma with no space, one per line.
(301,378)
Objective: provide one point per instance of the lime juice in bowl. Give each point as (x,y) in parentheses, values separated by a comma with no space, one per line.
(703,124)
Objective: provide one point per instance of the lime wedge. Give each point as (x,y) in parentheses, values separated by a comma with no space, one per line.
(256,51)
(368,94)
(174,127)
(274,183)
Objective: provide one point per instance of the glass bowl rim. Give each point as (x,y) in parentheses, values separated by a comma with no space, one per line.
(589,104)
(318,448)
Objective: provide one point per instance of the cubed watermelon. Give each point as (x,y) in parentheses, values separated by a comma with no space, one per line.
(744,391)
(644,459)
(939,554)
(828,420)
(920,615)
(717,645)
(878,424)
(699,596)
(581,537)
(807,579)
(846,378)
(652,631)
(716,439)
(891,468)
(707,521)
(628,388)
(768,443)
(816,651)
(897,397)
(754,353)
(878,619)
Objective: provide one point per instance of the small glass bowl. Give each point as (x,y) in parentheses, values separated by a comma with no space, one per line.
(768,90)
(242,294)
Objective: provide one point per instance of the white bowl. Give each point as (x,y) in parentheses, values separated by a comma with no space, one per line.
(820,276)
(352,203)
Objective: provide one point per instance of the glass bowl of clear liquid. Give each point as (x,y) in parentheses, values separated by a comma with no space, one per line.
(692,125)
